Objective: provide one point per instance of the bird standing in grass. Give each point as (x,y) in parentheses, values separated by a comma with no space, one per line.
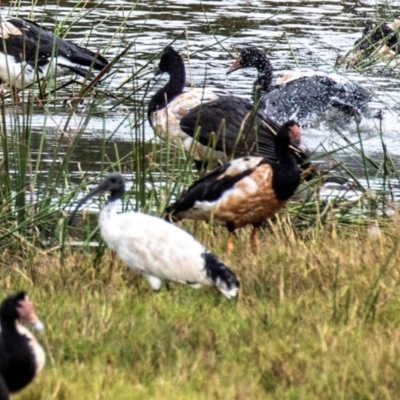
(244,191)
(29,52)
(157,249)
(21,356)
(298,96)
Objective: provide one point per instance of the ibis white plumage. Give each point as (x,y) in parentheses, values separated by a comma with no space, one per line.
(155,248)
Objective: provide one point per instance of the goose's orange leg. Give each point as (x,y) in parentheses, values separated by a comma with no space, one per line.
(254,242)
(229,247)
(229,243)
(15,95)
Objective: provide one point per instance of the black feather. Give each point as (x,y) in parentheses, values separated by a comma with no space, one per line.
(230,124)
(36,46)
(208,188)
(17,363)
(220,274)
(4,392)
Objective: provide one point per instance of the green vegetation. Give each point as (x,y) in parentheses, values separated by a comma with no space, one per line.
(317,317)
(317,314)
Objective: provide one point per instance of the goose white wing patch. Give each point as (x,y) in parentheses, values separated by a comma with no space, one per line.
(240,165)
(7,29)
(37,349)
(166,122)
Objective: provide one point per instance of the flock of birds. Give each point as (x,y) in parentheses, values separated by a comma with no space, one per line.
(262,140)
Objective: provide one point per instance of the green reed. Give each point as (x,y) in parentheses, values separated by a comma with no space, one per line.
(34,206)
(317,315)
(372,55)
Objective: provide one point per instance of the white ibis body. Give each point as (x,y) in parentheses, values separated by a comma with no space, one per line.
(156,249)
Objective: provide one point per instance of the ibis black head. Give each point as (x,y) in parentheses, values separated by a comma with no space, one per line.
(170,59)
(114,183)
(250,57)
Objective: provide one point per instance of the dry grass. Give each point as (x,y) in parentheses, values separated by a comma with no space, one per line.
(317,317)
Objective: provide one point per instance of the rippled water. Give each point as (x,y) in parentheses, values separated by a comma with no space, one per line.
(298,34)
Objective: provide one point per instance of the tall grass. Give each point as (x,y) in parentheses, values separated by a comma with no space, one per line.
(34,204)
(317,317)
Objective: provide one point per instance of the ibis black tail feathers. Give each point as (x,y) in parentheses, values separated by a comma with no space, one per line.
(224,279)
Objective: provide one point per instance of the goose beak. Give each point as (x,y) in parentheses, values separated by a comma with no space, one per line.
(236,65)
(38,325)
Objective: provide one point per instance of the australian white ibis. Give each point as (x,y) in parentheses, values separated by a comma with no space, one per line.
(157,249)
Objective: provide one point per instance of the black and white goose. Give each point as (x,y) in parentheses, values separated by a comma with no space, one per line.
(245,191)
(232,126)
(221,123)
(21,356)
(297,96)
(170,103)
(379,43)
(156,249)
(29,52)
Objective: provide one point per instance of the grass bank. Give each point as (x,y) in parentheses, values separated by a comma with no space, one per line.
(317,317)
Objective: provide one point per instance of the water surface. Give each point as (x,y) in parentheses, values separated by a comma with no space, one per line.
(305,35)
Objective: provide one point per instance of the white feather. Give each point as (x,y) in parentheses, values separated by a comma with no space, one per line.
(153,247)
(166,122)
(37,349)
(19,74)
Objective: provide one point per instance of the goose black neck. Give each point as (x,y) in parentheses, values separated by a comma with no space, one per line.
(173,88)
(286,173)
(265,74)
(13,346)
(8,331)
